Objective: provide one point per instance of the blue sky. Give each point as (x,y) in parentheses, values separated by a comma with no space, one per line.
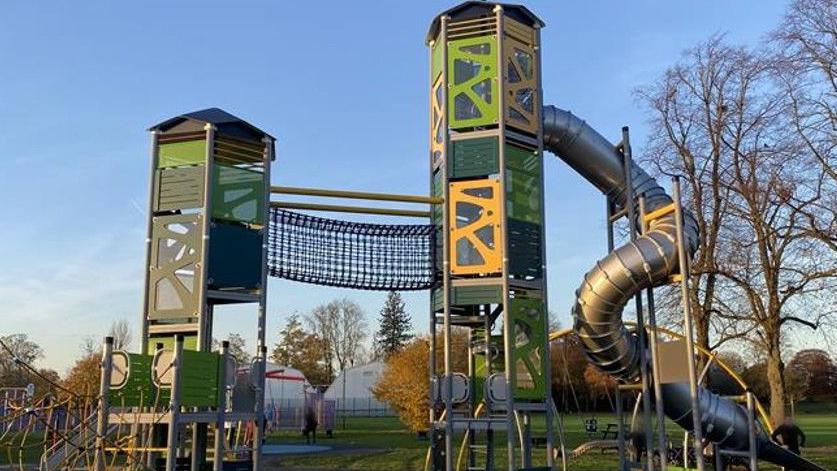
(343,87)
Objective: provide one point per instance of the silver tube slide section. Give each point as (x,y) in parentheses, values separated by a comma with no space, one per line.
(645,262)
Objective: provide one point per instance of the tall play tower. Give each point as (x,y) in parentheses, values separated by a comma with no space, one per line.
(486,163)
(207,233)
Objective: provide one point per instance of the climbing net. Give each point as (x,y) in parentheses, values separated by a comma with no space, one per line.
(349,254)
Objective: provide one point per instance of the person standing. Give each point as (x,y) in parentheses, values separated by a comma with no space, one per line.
(789,435)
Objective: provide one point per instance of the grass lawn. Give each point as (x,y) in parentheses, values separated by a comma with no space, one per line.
(383,444)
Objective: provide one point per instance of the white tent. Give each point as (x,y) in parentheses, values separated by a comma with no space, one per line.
(284,384)
(355,386)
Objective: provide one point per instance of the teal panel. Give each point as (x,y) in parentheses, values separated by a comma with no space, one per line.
(525,255)
(463,296)
(528,320)
(238,195)
(474,158)
(472,82)
(235,256)
(174,154)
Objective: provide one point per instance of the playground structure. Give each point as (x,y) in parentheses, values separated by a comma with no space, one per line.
(214,236)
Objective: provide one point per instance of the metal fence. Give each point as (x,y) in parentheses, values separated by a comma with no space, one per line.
(362,407)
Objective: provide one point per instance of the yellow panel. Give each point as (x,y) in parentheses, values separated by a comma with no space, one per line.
(475,238)
(438,129)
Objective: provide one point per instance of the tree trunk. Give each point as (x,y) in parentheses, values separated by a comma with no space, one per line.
(777,385)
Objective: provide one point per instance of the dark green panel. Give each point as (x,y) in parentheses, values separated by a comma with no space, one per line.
(178,188)
(524,240)
(469,296)
(474,158)
(528,320)
(175,154)
(235,256)
(497,363)
(238,195)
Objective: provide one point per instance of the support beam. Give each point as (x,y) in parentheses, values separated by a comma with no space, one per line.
(350,209)
(356,195)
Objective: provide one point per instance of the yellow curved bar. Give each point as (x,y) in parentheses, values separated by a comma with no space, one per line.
(706,353)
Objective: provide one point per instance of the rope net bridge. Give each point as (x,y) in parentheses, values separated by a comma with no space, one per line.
(350,254)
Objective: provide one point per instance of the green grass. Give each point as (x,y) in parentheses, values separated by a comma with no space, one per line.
(383,444)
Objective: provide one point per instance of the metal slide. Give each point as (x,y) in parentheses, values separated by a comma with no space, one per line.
(645,262)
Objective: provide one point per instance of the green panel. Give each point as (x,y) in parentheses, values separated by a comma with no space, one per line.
(178,188)
(497,363)
(528,320)
(474,158)
(524,184)
(472,82)
(436,65)
(199,379)
(469,296)
(174,154)
(238,195)
(190,342)
(138,389)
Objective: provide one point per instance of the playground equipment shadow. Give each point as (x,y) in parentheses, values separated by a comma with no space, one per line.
(383,444)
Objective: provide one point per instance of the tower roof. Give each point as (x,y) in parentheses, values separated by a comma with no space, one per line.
(476,9)
(225,123)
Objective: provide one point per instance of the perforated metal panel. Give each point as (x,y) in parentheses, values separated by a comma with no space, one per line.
(175,251)
(472,94)
(475,227)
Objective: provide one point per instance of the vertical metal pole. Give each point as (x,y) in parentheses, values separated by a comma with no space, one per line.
(550,418)
(261,346)
(174,405)
(620,418)
(683,261)
(662,443)
(431,357)
(627,164)
(751,431)
(155,153)
(508,331)
(104,404)
(719,457)
(202,278)
(220,421)
(446,386)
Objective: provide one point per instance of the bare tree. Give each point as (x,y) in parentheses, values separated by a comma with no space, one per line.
(342,326)
(720,123)
(121,333)
(689,117)
(804,60)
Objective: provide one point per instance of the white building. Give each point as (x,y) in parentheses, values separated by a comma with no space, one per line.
(352,391)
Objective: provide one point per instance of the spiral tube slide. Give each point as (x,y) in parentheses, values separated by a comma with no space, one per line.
(648,261)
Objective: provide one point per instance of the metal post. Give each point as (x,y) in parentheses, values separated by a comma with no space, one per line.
(104,405)
(508,332)
(751,431)
(258,413)
(155,137)
(549,413)
(220,421)
(261,347)
(446,386)
(620,420)
(174,405)
(343,373)
(627,165)
(683,262)
(719,457)
(662,443)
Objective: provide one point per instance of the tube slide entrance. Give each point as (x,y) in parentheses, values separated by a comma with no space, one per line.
(646,262)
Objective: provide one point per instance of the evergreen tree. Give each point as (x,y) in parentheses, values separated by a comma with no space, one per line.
(395,326)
